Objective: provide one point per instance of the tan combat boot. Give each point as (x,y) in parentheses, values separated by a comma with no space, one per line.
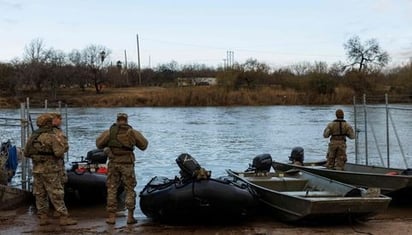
(130,217)
(43,219)
(66,220)
(111,219)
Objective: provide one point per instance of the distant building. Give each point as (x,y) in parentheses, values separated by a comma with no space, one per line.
(200,81)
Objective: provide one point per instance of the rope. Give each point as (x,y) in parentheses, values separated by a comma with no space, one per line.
(351,223)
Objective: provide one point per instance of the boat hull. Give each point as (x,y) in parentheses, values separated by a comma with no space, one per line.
(391,181)
(11,198)
(171,200)
(308,197)
(87,187)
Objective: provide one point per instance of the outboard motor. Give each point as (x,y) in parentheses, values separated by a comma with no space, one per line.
(96,156)
(190,168)
(261,163)
(297,155)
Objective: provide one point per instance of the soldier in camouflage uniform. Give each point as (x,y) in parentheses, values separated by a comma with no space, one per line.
(46,148)
(337,130)
(56,123)
(119,142)
(3,170)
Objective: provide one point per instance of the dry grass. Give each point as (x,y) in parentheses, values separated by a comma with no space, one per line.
(180,96)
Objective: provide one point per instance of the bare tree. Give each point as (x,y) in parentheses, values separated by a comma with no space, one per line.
(35,51)
(301,68)
(336,69)
(366,55)
(7,83)
(75,57)
(251,73)
(94,58)
(319,67)
(78,70)
(36,57)
(56,74)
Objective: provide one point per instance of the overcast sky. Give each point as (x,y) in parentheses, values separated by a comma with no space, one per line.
(276,32)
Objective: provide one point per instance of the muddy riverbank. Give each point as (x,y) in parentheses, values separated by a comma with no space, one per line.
(396,220)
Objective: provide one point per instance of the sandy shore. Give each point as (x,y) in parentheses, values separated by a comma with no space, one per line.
(396,220)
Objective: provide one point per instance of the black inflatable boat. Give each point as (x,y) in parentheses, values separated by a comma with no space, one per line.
(195,196)
(87,179)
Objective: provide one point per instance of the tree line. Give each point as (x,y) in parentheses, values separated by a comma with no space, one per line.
(45,69)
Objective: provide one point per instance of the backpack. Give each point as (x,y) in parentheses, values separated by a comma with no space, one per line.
(119,137)
(9,152)
(34,146)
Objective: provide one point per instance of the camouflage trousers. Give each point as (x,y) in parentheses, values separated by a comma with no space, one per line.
(336,157)
(48,186)
(118,173)
(63,173)
(3,170)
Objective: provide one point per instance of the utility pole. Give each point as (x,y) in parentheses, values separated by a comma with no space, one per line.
(125,67)
(125,60)
(138,60)
(230,58)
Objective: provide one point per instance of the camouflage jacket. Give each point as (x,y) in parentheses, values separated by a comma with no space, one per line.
(126,136)
(54,144)
(338,130)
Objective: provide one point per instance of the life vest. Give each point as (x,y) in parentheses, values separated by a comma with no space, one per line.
(119,139)
(337,131)
(35,147)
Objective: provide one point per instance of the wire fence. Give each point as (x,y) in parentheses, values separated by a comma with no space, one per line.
(26,124)
(384,131)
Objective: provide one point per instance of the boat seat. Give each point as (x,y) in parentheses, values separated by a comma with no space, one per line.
(311,193)
(280,183)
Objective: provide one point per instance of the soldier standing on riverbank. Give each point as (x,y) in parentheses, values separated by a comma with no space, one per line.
(337,130)
(118,142)
(46,149)
(62,138)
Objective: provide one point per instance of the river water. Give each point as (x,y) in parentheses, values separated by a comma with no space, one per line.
(217,137)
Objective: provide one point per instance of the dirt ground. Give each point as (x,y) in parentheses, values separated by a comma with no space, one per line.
(396,220)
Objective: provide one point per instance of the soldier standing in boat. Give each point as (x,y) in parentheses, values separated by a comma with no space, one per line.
(337,130)
(46,150)
(118,143)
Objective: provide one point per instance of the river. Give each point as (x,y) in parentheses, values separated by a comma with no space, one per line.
(217,137)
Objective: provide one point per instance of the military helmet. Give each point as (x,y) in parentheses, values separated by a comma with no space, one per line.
(44,119)
(122,116)
(339,113)
(56,115)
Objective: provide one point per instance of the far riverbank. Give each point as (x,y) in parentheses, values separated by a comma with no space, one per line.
(177,96)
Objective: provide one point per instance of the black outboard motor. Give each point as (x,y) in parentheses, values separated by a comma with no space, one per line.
(261,163)
(187,164)
(297,155)
(96,156)
(190,168)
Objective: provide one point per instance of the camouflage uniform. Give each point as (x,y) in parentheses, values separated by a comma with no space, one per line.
(62,138)
(338,130)
(119,142)
(3,170)
(46,150)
